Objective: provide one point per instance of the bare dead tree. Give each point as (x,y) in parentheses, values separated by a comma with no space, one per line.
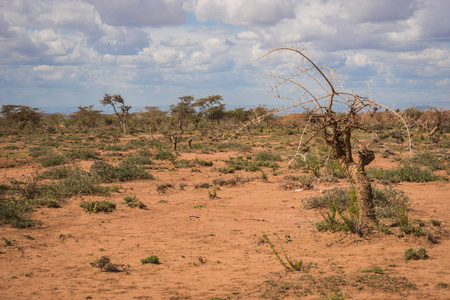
(316,88)
(434,121)
(122,111)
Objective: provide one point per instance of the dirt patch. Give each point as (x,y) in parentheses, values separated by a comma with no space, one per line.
(213,248)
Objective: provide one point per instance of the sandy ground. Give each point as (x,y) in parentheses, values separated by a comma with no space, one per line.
(214,249)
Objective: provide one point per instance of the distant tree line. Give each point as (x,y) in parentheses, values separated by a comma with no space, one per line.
(187,114)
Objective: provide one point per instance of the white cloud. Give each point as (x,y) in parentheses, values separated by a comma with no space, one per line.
(358,60)
(429,23)
(247,35)
(140,12)
(143,45)
(243,13)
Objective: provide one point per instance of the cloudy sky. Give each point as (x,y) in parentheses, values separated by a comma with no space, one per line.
(60,53)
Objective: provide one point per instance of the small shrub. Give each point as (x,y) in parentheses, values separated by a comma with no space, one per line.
(203,163)
(294,182)
(164,155)
(16,212)
(58,172)
(83,153)
(98,206)
(29,189)
(267,156)
(289,264)
(419,253)
(376,270)
(139,159)
(8,243)
(134,202)
(36,152)
(340,196)
(182,163)
(77,183)
(53,159)
(426,159)
(320,165)
(104,264)
(162,188)
(202,185)
(150,260)
(103,170)
(213,195)
(405,173)
(127,171)
(435,223)
(11,147)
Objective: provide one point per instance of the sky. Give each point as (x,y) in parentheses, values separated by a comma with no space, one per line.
(66,53)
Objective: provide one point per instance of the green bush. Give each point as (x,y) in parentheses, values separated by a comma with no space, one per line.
(134,202)
(340,196)
(117,147)
(426,159)
(388,203)
(405,173)
(419,253)
(36,152)
(150,260)
(16,212)
(77,183)
(267,155)
(104,264)
(52,159)
(103,170)
(83,153)
(164,155)
(182,163)
(203,163)
(59,172)
(138,159)
(11,147)
(125,171)
(320,165)
(98,206)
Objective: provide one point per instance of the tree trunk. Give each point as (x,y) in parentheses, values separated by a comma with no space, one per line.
(364,195)
(355,172)
(124,127)
(362,186)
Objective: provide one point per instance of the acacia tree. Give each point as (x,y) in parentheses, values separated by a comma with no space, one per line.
(211,108)
(315,87)
(153,117)
(85,116)
(21,116)
(183,112)
(122,111)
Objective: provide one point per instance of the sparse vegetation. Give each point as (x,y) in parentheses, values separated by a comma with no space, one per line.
(80,163)
(98,206)
(419,253)
(104,264)
(134,202)
(288,264)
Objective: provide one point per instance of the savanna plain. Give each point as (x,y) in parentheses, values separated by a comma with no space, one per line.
(99,214)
